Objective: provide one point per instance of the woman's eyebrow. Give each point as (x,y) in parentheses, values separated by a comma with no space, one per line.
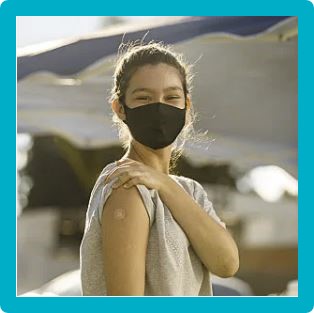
(173,88)
(151,90)
(141,89)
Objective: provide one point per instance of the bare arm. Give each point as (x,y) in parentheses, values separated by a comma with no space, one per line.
(212,243)
(125,229)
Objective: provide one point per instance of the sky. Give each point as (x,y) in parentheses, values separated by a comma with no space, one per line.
(36,29)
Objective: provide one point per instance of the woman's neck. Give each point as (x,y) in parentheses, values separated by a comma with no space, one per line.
(159,159)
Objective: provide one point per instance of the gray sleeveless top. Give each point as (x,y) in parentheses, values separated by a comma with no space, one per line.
(172,266)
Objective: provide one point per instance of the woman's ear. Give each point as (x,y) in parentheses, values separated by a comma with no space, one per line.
(187,111)
(118,109)
(188,102)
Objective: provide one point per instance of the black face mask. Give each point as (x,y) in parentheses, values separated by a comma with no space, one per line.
(155,125)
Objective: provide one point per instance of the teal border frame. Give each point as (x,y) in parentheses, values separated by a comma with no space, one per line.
(9,302)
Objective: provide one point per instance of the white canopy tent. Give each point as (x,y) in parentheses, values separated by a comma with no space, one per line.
(245,87)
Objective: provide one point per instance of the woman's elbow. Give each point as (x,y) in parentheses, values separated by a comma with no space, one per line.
(230,266)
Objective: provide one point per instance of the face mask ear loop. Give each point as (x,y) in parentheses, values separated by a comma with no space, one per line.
(186,104)
(123,105)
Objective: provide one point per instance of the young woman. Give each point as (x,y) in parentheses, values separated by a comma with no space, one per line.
(149,232)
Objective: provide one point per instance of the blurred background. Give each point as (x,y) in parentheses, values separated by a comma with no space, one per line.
(245,92)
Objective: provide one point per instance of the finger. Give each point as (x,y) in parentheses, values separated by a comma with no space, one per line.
(125,179)
(120,182)
(122,171)
(116,171)
(108,176)
(132,182)
(123,175)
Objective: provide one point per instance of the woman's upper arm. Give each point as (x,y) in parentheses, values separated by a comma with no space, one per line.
(125,230)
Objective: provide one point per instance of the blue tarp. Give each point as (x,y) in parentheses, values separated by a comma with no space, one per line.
(72,58)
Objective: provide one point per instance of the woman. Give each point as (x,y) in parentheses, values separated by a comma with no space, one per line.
(149,232)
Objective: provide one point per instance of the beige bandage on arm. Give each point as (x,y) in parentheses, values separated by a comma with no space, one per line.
(119,213)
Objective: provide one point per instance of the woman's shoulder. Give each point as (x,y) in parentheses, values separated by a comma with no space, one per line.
(105,189)
(100,180)
(191,185)
(186,182)
(107,168)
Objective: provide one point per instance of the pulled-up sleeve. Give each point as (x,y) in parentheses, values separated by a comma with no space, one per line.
(201,197)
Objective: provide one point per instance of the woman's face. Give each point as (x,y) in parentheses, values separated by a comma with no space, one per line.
(155,83)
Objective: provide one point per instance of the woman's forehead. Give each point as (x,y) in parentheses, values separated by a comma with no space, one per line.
(155,77)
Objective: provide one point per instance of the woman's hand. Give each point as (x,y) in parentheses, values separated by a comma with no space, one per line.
(131,172)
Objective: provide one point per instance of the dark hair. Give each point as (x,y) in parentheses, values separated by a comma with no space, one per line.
(135,54)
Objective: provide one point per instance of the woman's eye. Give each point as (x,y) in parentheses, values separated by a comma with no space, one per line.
(173,97)
(147,98)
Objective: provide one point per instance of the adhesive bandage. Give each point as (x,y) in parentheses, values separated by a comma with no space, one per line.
(119,214)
